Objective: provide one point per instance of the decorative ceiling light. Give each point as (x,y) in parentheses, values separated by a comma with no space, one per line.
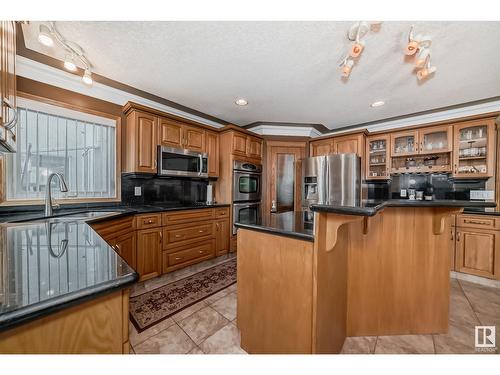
(241,102)
(45,36)
(69,63)
(420,46)
(48,33)
(355,34)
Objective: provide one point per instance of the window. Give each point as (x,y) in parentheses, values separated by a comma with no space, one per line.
(53,139)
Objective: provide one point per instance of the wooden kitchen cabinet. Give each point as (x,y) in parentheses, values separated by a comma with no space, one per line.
(378,162)
(435,139)
(125,246)
(222,233)
(477,252)
(242,145)
(212,150)
(349,144)
(254,147)
(322,147)
(170,133)
(149,253)
(141,140)
(477,247)
(474,149)
(8,110)
(404,143)
(194,138)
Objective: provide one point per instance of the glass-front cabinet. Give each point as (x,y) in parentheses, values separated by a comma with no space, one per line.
(404,143)
(436,139)
(377,158)
(474,152)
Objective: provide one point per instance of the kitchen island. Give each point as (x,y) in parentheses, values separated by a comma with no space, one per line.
(379,268)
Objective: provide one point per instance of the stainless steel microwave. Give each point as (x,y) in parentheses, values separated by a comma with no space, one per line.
(176,162)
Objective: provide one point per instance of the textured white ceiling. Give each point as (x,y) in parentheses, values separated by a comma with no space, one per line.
(288,71)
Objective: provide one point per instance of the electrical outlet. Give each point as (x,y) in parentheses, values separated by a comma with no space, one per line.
(137,191)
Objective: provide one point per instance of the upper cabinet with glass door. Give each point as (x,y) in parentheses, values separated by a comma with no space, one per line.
(377,158)
(436,139)
(474,151)
(404,143)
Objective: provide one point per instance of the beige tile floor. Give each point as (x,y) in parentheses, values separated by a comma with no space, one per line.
(209,326)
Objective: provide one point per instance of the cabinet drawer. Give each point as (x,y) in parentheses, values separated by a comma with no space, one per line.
(148,221)
(191,254)
(187,216)
(478,221)
(222,212)
(174,236)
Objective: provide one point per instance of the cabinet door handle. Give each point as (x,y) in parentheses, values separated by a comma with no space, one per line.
(161,236)
(217,226)
(117,247)
(12,123)
(452,235)
(458,236)
(475,222)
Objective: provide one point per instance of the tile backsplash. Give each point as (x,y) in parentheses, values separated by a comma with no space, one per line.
(441,186)
(164,191)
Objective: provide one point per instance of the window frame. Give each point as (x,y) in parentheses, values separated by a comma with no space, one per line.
(4,202)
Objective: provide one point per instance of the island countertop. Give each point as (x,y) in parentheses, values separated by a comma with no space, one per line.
(289,224)
(47,266)
(371,207)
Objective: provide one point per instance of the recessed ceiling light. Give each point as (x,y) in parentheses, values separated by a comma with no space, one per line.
(377,103)
(241,102)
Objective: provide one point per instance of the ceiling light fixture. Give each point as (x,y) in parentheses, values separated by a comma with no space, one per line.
(69,63)
(241,102)
(420,46)
(355,34)
(48,34)
(45,36)
(87,78)
(378,103)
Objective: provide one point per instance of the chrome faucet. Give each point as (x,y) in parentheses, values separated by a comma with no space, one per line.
(48,195)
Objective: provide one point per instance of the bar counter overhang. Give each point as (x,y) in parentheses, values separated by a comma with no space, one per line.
(371,270)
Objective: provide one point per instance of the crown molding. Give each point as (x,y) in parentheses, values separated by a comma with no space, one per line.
(43,73)
(480,107)
(286,130)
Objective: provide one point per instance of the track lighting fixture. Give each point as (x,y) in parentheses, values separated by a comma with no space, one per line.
(355,34)
(420,47)
(45,36)
(69,63)
(48,34)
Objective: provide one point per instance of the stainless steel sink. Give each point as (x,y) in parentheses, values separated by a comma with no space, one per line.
(77,216)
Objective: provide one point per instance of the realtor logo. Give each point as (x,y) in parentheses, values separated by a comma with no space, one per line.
(485,338)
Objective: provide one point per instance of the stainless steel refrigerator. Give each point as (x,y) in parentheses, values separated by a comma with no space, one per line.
(331,179)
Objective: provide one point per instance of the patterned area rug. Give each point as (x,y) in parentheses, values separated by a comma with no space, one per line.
(152,307)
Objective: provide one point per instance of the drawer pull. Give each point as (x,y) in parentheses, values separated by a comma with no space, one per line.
(201,251)
(148,221)
(476,222)
(178,258)
(201,231)
(179,235)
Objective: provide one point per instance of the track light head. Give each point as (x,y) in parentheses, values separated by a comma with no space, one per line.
(422,57)
(356,49)
(87,78)
(45,36)
(411,47)
(425,72)
(347,68)
(69,63)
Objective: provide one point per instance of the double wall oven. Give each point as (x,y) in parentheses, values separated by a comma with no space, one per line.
(247,193)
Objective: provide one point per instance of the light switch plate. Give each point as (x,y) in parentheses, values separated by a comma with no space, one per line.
(482,194)
(137,191)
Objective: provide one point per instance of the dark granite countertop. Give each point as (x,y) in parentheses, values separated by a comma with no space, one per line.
(117,210)
(370,208)
(288,224)
(48,264)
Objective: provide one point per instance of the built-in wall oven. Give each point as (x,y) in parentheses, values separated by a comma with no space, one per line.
(247,213)
(247,178)
(176,162)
